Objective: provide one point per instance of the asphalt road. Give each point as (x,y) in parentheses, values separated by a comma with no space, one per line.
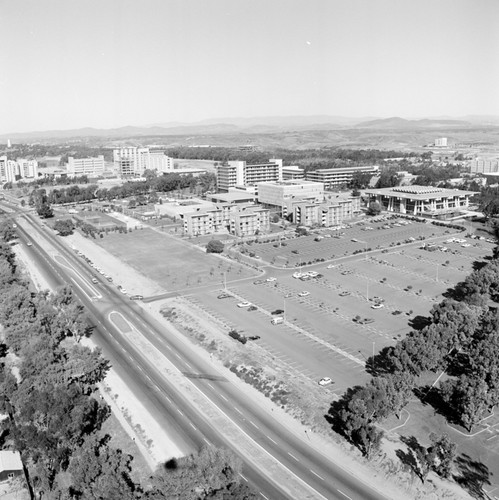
(326,478)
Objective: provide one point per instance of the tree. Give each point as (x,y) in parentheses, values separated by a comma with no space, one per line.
(374,208)
(45,211)
(101,472)
(214,246)
(444,452)
(64,227)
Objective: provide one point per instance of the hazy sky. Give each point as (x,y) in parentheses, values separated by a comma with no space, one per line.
(109,63)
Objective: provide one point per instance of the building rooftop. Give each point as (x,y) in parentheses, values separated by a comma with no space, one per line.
(419,192)
(10,460)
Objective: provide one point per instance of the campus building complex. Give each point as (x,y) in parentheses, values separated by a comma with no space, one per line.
(133,161)
(239,173)
(93,167)
(335,177)
(419,200)
(20,169)
(484,166)
(240,221)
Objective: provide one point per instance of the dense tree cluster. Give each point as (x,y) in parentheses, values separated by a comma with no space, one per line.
(459,343)
(55,413)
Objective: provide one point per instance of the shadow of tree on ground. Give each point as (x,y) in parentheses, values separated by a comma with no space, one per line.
(472,476)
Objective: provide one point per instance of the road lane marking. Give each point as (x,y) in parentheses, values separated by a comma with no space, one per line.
(292,456)
(238,410)
(254,425)
(243,477)
(273,441)
(210,385)
(206,441)
(344,494)
(180,412)
(315,474)
(222,396)
(263,495)
(193,426)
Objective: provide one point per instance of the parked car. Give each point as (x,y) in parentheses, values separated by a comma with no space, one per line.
(254,337)
(252,308)
(304,294)
(331,266)
(258,282)
(277,312)
(95,280)
(29,244)
(271,279)
(377,306)
(325,381)
(244,304)
(345,293)
(224,295)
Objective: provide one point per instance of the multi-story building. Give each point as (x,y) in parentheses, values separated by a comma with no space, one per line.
(334,177)
(241,221)
(292,172)
(323,214)
(28,169)
(278,194)
(12,171)
(239,173)
(484,166)
(86,166)
(441,142)
(419,200)
(132,161)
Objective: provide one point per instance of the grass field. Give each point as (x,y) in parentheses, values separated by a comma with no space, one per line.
(171,262)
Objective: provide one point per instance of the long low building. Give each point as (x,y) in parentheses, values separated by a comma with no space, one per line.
(419,200)
(335,177)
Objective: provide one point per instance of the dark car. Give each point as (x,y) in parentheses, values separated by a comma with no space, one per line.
(252,308)
(224,295)
(258,282)
(254,337)
(277,312)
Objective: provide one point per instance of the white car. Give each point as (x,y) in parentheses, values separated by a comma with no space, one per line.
(271,279)
(244,304)
(297,275)
(465,245)
(303,294)
(325,381)
(123,290)
(313,274)
(331,266)
(377,306)
(14,226)
(29,244)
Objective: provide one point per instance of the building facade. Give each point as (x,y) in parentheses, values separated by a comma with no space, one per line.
(335,177)
(239,173)
(323,214)
(12,171)
(292,172)
(419,200)
(92,167)
(484,166)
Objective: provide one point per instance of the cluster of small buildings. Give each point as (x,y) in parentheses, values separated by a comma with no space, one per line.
(15,170)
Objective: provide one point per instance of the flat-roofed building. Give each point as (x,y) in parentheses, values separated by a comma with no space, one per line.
(92,166)
(160,162)
(419,200)
(278,194)
(484,166)
(325,214)
(292,172)
(131,161)
(28,169)
(8,170)
(250,221)
(334,177)
(239,173)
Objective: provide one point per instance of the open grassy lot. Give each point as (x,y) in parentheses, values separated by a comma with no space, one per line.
(173,263)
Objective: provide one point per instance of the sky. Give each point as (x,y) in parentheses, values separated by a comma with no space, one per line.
(110,63)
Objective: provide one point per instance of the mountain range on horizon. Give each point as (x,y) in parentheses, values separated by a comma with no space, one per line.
(269,124)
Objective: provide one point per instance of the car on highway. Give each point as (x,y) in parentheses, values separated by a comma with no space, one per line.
(136,297)
(95,280)
(258,282)
(271,279)
(123,290)
(29,244)
(277,312)
(244,304)
(378,305)
(345,293)
(224,296)
(304,294)
(325,381)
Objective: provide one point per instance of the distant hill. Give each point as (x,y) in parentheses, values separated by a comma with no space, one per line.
(402,123)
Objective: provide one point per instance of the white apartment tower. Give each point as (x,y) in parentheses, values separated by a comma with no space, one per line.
(86,166)
(133,161)
(239,173)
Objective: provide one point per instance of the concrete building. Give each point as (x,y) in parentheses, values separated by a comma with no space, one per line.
(335,177)
(484,166)
(441,142)
(292,172)
(28,169)
(10,465)
(160,162)
(239,173)
(419,200)
(325,214)
(240,221)
(8,170)
(132,161)
(277,194)
(93,167)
